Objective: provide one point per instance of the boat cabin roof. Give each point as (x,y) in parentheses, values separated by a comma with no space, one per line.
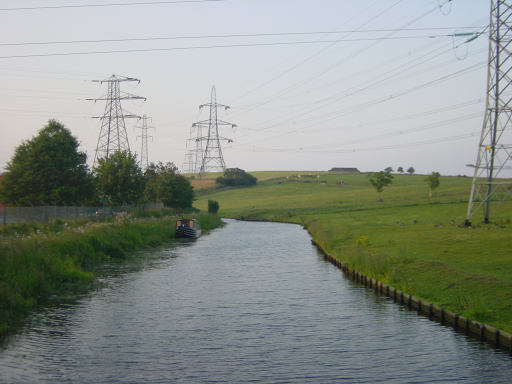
(186,223)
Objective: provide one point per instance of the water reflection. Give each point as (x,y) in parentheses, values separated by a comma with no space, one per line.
(253,302)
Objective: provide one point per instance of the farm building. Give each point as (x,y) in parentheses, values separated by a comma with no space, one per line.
(344,170)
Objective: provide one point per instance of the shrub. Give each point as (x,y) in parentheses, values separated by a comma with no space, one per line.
(213,206)
(236,177)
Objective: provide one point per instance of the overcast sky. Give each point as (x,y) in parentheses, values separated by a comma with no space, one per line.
(312,84)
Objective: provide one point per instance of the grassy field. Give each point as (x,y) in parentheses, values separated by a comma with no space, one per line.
(412,242)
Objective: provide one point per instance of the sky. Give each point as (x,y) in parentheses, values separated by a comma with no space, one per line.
(311,84)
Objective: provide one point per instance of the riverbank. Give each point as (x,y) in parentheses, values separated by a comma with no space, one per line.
(39,262)
(415,244)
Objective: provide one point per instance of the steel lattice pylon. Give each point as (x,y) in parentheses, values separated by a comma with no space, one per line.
(144,154)
(188,163)
(194,157)
(491,181)
(211,158)
(113,136)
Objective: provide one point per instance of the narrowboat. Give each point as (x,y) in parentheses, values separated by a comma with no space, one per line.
(188,228)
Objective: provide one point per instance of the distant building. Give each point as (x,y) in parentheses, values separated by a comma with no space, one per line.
(344,170)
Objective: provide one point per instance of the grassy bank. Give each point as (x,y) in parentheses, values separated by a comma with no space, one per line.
(412,242)
(41,261)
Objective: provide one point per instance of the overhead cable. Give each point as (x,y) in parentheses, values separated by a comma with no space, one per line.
(49,7)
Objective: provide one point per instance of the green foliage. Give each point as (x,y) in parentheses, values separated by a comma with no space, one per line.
(119,179)
(388,170)
(209,222)
(379,180)
(235,177)
(48,170)
(410,170)
(433,182)
(213,206)
(158,213)
(400,170)
(165,184)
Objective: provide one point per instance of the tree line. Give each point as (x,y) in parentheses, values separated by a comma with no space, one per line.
(49,169)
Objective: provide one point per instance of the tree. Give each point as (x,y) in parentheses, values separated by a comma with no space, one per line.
(433,182)
(236,177)
(120,179)
(400,170)
(380,180)
(48,169)
(410,170)
(165,184)
(388,170)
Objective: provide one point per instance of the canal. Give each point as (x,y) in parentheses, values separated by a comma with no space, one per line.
(251,302)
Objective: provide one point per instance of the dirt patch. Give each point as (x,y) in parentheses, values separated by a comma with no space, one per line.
(202,184)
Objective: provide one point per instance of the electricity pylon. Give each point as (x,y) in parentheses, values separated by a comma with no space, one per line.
(211,158)
(495,145)
(113,136)
(144,154)
(188,163)
(194,156)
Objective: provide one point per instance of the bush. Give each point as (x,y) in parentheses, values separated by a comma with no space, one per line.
(213,206)
(236,177)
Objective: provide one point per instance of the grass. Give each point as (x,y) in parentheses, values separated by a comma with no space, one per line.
(412,242)
(40,261)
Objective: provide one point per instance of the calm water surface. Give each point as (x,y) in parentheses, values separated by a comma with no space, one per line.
(252,302)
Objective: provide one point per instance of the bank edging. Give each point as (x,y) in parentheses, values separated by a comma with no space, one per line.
(498,338)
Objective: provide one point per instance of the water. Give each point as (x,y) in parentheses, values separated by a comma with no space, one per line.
(252,302)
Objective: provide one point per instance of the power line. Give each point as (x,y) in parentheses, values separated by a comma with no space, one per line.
(47,7)
(344,60)
(310,57)
(364,71)
(157,38)
(345,94)
(410,64)
(336,114)
(390,74)
(242,45)
(436,111)
(400,132)
(380,147)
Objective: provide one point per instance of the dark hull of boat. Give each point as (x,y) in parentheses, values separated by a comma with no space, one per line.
(186,232)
